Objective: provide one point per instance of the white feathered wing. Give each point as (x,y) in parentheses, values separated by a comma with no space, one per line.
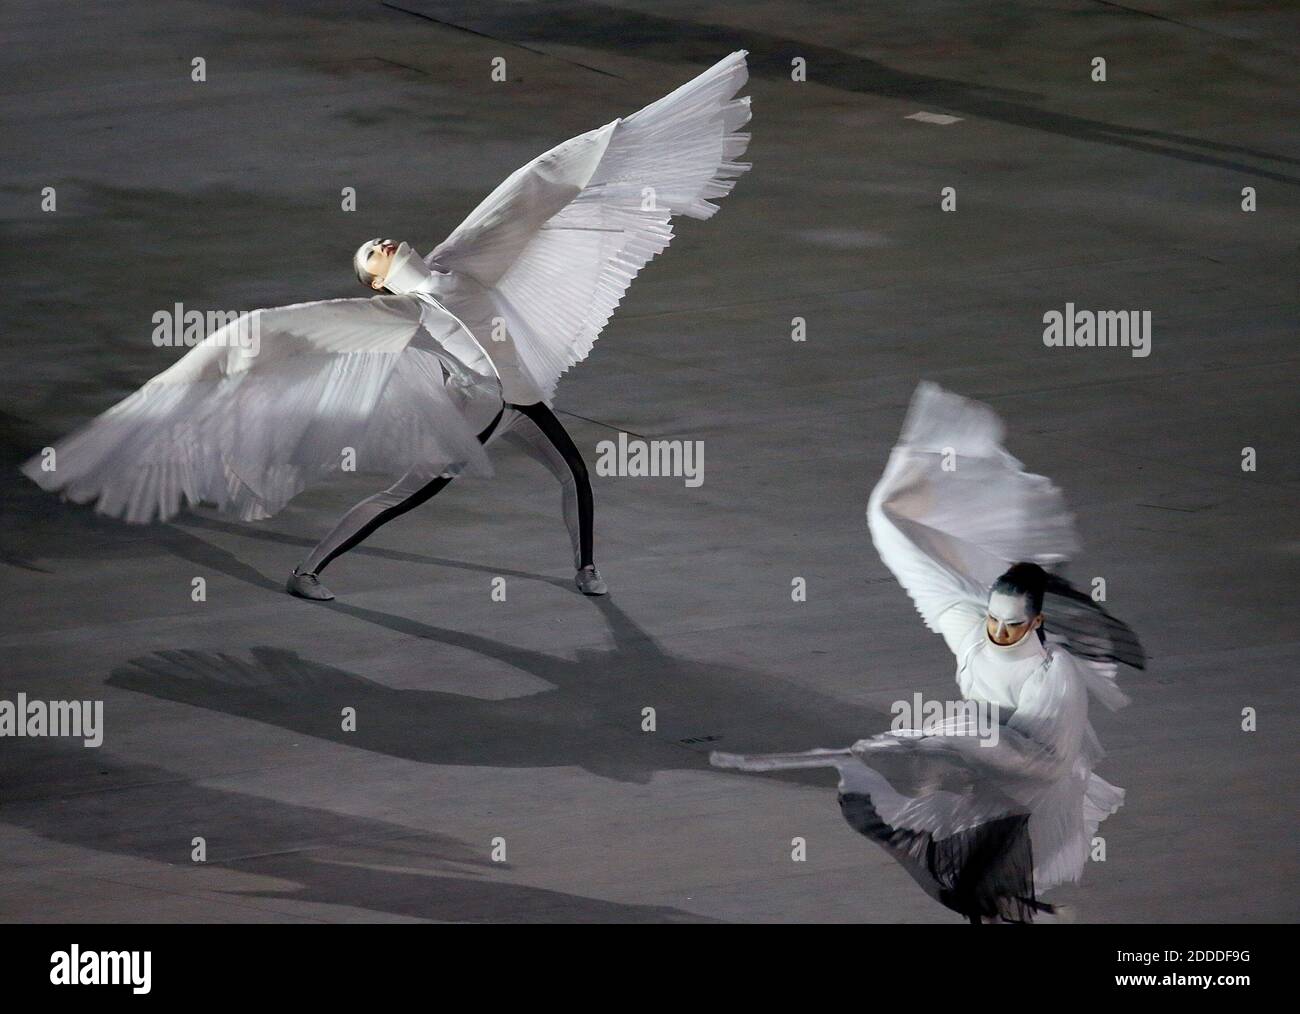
(553,249)
(266,405)
(954,509)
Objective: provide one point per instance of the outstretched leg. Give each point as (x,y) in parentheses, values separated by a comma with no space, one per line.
(543,437)
(363,520)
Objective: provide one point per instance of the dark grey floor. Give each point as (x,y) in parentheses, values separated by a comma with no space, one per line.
(521,719)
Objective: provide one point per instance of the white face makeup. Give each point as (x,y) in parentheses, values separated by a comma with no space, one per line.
(365,259)
(364,251)
(1009,617)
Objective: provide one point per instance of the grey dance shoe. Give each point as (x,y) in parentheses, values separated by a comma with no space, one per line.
(307,586)
(590,582)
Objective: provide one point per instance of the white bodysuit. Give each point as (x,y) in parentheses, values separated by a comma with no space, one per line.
(486,349)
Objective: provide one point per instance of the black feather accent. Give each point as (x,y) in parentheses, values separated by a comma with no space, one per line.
(983,872)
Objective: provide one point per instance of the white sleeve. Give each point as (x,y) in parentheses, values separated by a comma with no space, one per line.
(949,602)
(957,621)
(954,509)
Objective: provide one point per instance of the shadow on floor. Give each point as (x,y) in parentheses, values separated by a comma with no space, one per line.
(325,857)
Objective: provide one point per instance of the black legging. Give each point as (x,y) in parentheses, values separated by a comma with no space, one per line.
(546,421)
(409,492)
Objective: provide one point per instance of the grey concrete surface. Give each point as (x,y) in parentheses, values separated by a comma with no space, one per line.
(479,719)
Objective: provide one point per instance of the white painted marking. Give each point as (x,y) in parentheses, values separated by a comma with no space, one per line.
(943,119)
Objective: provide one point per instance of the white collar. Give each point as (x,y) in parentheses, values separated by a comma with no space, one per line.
(1028,646)
(408,272)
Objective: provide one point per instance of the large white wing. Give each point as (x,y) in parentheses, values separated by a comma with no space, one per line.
(954,509)
(265,405)
(554,248)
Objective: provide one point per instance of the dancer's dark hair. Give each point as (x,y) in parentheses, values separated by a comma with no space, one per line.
(1085,627)
(1026,579)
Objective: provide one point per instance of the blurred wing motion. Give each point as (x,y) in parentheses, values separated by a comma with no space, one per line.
(912,789)
(553,249)
(952,492)
(966,843)
(954,509)
(267,404)
(780,761)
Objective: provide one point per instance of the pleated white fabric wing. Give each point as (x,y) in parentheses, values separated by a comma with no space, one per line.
(954,509)
(555,247)
(266,405)
(965,800)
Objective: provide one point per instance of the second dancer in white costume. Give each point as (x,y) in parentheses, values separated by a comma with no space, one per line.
(984,824)
(468,346)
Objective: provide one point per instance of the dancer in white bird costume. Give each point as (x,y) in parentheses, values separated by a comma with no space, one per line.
(466,346)
(994,801)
